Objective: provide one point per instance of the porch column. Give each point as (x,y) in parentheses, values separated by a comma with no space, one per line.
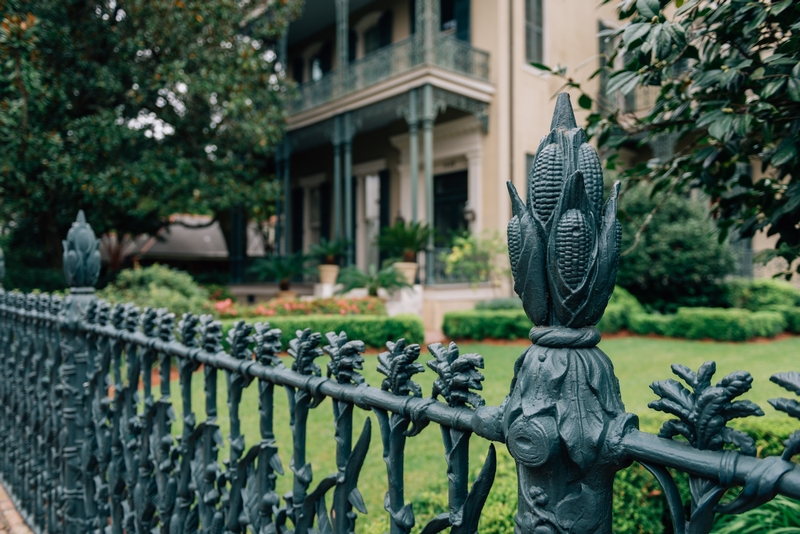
(347,138)
(287,195)
(413,146)
(474,184)
(337,177)
(428,21)
(278,204)
(342,40)
(428,116)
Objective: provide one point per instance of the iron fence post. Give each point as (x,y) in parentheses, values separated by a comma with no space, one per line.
(81,269)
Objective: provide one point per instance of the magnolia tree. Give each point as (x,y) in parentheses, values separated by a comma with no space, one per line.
(136,109)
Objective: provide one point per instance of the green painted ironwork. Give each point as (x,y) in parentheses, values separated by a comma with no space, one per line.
(87,443)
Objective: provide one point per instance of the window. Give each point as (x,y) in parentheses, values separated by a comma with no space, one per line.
(454,16)
(534,38)
(379,35)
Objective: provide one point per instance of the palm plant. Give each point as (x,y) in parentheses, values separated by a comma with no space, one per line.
(281,269)
(404,240)
(387,278)
(328,251)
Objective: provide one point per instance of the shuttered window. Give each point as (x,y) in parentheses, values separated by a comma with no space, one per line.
(534,34)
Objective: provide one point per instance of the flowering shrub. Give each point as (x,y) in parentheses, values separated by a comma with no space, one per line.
(283,307)
(475,259)
(329,306)
(226,308)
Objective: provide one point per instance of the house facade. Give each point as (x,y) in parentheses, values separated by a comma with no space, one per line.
(420,110)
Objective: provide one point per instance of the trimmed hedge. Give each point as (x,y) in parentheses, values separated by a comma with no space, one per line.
(761,294)
(482,324)
(711,323)
(792,316)
(373,330)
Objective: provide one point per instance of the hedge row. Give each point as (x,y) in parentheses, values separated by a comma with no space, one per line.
(730,324)
(373,330)
(691,323)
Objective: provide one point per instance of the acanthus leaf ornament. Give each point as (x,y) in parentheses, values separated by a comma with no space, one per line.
(81,254)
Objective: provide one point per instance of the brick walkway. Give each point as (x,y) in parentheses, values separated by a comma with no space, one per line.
(10,520)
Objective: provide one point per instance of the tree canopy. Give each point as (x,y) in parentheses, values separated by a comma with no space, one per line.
(727,76)
(136,109)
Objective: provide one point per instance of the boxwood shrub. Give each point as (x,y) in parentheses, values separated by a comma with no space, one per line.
(711,323)
(792,316)
(761,294)
(482,324)
(373,330)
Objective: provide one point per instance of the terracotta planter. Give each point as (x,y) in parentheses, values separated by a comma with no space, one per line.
(408,270)
(328,274)
(286,294)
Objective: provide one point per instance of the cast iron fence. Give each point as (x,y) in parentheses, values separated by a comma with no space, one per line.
(85,449)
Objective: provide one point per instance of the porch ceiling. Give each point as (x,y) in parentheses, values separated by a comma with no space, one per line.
(318,14)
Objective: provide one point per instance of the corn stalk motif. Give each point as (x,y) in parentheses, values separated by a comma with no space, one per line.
(564,413)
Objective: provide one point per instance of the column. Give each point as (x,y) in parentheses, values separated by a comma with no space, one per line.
(278,203)
(413,146)
(287,195)
(347,139)
(474,184)
(428,22)
(428,116)
(337,177)
(342,40)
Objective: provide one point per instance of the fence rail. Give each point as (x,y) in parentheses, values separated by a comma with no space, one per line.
(87,443)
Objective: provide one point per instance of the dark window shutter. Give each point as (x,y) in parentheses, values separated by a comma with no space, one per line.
(412,15)
(446,13)
(462,17)
(297,69)
(351,46)
(385,29)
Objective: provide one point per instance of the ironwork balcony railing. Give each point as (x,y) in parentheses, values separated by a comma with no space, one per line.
(403,56)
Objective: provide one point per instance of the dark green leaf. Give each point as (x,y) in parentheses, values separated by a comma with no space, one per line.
(541,66)
(619,79)
(635,32)
(785,152)
(793,89)
(648,8)
(585,102)
(772,87)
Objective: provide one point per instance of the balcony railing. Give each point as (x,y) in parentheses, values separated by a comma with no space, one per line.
(402,56)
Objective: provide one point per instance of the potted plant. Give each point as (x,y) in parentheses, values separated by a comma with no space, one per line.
(404,241)
(281,269)
(327,254)
(388,278)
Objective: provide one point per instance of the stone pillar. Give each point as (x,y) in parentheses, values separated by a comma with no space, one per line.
(287,195)
(348,131)
(337,177)
(428,116)
(413,145)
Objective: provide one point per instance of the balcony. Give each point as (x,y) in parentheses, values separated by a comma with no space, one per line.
(403,56)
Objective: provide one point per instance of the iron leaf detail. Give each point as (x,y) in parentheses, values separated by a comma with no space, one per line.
(398,365)
(458,375)
(790,382)
(346,358)
(268,344)
(81,254)
(305,349)
(704,411)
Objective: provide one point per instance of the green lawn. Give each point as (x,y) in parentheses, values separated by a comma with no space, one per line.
(637,361)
